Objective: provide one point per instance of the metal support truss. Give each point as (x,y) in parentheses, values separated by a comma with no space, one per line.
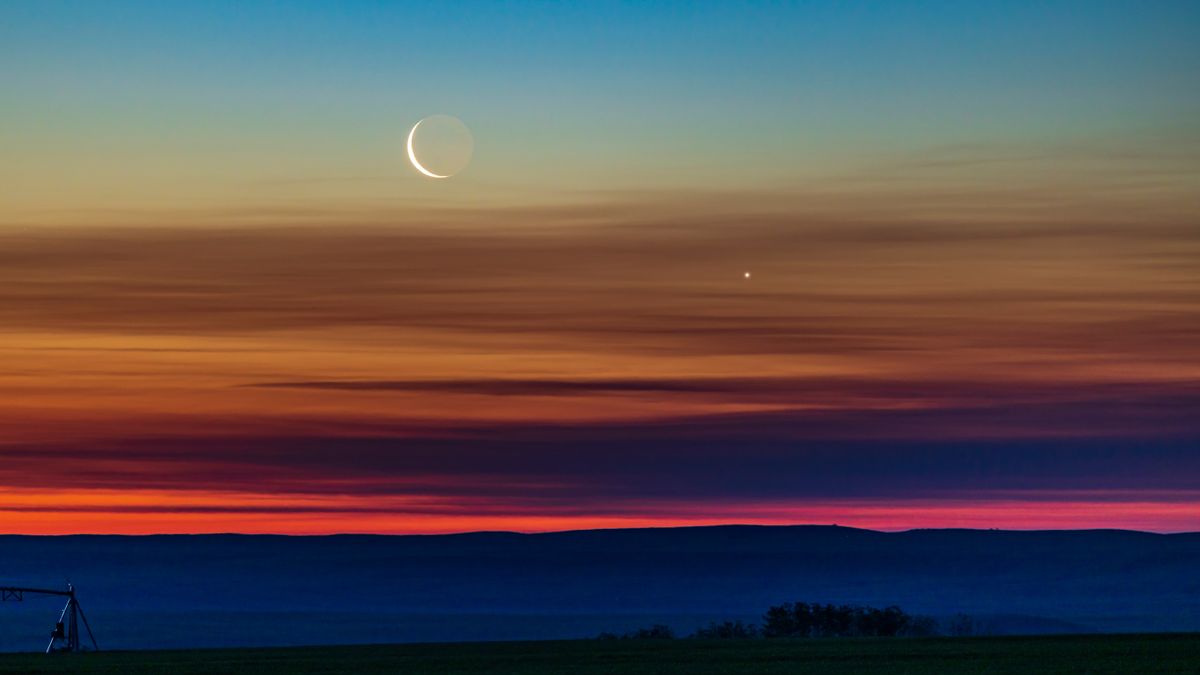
(65,636)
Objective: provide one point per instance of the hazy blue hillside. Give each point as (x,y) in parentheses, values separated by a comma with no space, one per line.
(233,589)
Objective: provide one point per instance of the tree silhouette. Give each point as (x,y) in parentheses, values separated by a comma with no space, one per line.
(804,620)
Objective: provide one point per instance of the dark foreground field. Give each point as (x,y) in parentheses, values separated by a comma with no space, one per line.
(1162,653)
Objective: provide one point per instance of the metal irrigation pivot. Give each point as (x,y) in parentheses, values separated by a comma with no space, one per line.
(65,636)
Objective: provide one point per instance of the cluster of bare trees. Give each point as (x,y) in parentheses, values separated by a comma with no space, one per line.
(802,619)
(805,620)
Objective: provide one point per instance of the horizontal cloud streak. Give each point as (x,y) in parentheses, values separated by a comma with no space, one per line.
(833,391)
(774,456)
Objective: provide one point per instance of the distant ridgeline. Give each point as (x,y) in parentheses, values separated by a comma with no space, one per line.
(803,620)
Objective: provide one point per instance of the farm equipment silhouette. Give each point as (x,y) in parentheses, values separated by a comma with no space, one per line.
(65,636)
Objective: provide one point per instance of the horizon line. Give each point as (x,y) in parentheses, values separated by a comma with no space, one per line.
(607,529)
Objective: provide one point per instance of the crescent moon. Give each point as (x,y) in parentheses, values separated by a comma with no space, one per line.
(412,156)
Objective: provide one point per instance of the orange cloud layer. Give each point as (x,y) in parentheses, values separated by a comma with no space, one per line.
(141,358)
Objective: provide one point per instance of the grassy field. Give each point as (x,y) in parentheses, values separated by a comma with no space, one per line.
(1169,653)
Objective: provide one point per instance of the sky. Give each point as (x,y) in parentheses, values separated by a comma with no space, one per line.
(228,302)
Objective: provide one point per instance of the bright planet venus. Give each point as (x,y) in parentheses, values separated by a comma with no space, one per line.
(439,146)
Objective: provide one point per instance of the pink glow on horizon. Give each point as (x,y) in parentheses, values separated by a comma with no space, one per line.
(146,512)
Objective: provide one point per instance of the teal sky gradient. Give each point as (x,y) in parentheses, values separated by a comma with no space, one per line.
(222,102)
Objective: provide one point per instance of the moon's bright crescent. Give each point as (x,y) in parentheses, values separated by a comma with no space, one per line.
(412,156)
